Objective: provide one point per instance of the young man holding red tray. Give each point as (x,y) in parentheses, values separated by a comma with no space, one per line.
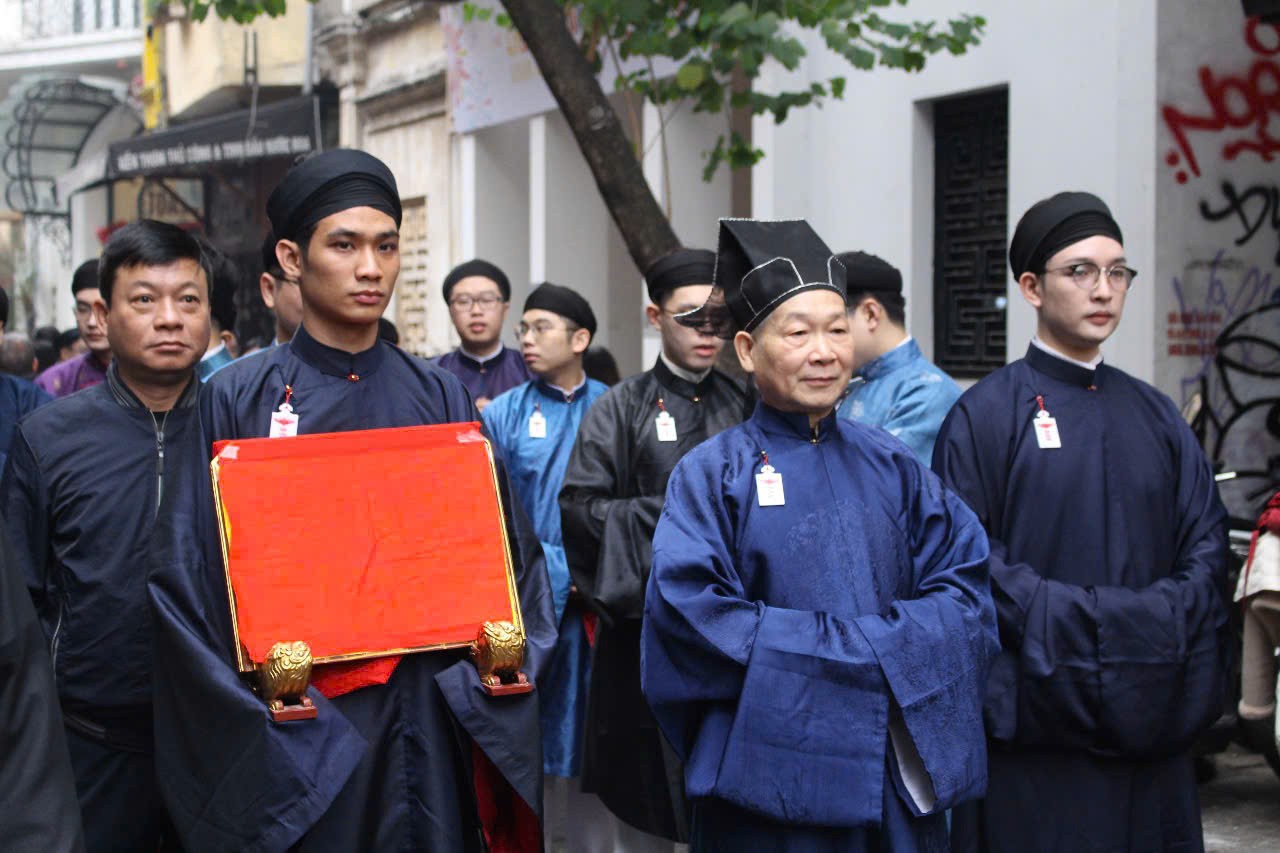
(390,760)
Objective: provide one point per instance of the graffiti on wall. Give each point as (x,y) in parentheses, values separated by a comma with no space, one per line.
(1241,111)
(1222,326)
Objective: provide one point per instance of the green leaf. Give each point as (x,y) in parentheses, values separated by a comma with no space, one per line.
(690,76)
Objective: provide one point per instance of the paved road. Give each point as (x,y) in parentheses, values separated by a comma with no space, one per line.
(1241,806)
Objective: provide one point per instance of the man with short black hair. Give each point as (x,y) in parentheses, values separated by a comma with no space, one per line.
(280,293)
(85,479)
(479,295)
(1108,566)
(894,386)
(223,347)
(90,368)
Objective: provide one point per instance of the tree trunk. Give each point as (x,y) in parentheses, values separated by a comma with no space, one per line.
(595,126)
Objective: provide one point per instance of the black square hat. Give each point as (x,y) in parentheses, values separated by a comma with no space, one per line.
(759,265)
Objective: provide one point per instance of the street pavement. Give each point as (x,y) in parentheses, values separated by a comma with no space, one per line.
(1240,808)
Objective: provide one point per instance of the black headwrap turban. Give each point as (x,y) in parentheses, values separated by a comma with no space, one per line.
(480,268)
(328,183)
(563,301)
(678,268)
(869,275)
(1054,223)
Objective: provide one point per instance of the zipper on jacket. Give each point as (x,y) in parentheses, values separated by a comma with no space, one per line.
(159,425)
(53,642)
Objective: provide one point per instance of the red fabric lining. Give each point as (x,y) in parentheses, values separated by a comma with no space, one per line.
(509,824)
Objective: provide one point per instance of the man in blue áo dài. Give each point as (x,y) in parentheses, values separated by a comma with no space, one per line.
(534,426)
(817,622)
(397,762)
(894,386)
(1108,566)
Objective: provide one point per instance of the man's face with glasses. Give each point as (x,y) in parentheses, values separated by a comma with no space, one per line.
(478,312)
(1080,295)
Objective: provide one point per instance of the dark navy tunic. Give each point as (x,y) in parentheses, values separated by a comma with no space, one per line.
(386,767)
(1108,572)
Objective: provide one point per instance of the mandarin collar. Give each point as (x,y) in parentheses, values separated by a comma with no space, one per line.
(1061,369)
(477,363)
(559,394)
(900,356)
(793,424)
(679,385)
(353,366)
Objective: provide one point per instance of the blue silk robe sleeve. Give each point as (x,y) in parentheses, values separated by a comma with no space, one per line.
(787,711)
(1112,669)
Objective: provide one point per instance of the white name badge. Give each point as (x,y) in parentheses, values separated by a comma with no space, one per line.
(1047,432)
(537,425)
(769,487)
(284,423)
(666,426)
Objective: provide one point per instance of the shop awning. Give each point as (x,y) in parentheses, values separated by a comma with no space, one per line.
(283,129)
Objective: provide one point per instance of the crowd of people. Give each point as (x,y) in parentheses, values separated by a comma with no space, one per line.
(839,606)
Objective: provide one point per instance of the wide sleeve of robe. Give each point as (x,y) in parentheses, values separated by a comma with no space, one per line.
(232,779)
(1110,669)
(787,712)
(608,534)
(38,808)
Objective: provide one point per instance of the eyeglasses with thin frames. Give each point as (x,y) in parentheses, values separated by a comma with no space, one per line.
(1086,275)
(486,301)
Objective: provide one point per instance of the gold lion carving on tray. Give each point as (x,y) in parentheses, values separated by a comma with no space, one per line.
(498,653)
(283,678)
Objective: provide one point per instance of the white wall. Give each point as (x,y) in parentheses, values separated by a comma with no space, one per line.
(1081,79)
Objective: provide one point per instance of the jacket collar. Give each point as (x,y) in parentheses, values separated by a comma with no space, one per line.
(546,389)
(1061,369)
(123,394)
(900,356)
(335,362)
(476,363)
(792,424)
(679,385)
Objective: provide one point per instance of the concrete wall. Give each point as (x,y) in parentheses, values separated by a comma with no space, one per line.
(1081,81)
(209,56)
(1218,231)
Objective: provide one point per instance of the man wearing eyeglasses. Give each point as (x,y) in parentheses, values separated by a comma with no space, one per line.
(1107,566)
(479,295)
(89,368)
(534,426)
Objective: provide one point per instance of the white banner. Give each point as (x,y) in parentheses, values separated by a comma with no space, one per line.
(492,76)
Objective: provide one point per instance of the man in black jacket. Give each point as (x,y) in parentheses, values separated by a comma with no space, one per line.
(627,446)
(83,484)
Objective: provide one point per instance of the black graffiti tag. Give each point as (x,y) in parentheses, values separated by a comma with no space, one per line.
(1255,207)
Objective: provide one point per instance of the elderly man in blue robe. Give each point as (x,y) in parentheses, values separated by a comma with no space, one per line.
(894,386)
(1108,568)
(817,622)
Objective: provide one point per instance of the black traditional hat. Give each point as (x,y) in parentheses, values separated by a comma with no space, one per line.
(760,265)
